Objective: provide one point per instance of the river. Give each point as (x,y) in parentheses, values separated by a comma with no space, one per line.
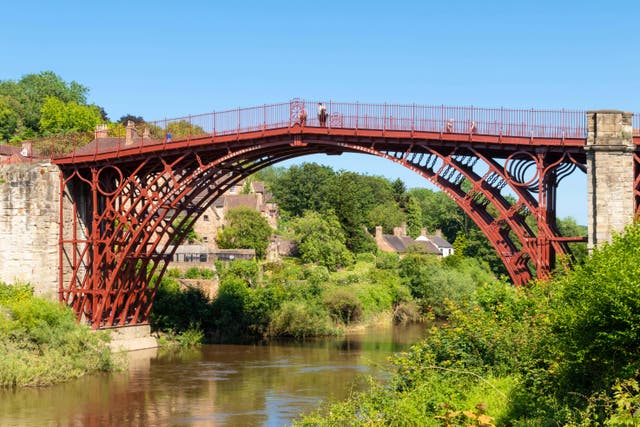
(214,385)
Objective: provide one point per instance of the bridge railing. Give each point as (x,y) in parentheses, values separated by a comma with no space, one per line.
(386,117)
(440,118)
(635,123)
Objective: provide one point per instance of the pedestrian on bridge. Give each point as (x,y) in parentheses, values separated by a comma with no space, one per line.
(322,114)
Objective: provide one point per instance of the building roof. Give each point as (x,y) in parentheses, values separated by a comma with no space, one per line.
(440,242)
(238,200)
(402,244)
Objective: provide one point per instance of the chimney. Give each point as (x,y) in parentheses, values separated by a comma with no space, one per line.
(423,232)
(397,231)
(378,232)
(404,229)
(439,232)
(102,131)
(130,133)
(146,134)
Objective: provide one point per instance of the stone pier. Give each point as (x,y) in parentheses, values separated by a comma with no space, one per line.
(29,218)
(610,197)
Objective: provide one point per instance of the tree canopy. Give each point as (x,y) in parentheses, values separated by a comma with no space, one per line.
(245,229)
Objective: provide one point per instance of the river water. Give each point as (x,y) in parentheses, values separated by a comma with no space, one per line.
(215,385)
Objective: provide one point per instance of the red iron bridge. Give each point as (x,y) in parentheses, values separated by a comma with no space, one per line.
(123,198)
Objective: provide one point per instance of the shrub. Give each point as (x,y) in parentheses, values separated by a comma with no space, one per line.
(343,305)
(42,343)
(299,320)
(406,312)
(387,260)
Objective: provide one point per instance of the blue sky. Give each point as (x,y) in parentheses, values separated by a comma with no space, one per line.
(168,59)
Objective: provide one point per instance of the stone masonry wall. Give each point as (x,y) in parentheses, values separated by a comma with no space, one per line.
(610,174)
(29,217)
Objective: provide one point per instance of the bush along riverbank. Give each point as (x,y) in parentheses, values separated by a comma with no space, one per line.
(41,342)
(561,352)
(291,299)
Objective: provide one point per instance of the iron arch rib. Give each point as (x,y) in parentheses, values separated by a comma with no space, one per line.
(128,210)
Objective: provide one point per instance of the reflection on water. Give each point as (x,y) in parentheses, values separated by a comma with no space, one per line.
(216,385)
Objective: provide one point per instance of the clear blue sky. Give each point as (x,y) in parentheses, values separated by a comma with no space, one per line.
(168,59)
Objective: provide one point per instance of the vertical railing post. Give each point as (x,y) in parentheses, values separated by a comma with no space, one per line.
(357,114)
(413,117)
(329,114)
(238,128)
(264,117)
(214,124)
(384,118)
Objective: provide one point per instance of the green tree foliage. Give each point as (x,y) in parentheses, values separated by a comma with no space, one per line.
(597,316)
(387,214)
(245,228)
(27,97)
(302,188)
(124,120)
(569,227)
(440,212)
(184,231)
(414,217)
(321,240)
(184,129)
(9,119)
(62,117)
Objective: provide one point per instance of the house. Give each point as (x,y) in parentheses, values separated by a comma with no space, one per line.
(400,243)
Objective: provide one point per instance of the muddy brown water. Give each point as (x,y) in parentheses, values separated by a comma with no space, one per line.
(215,385)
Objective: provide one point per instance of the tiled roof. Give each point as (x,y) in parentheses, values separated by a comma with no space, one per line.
(440,242)
(237,200)
(402,244)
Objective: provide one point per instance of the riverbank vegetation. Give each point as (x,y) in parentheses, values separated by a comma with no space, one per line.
(292,299)
(41,342)
(562,352)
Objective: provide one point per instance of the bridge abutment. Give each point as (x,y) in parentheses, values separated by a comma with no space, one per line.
(29,218)
(610,174)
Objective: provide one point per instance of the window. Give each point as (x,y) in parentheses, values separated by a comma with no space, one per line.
(205,218)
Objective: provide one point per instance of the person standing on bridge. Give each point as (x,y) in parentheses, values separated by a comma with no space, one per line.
(450,126)
(322,114)
(303,116)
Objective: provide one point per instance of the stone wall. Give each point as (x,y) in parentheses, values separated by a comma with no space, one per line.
(29,218)
(610,174)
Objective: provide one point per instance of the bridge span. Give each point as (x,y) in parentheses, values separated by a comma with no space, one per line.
(121,198)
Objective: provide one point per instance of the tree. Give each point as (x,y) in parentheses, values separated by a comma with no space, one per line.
(184,230)
(321,240)
(302,188)
(183,129)
(130,117)
(399,192)
(31,92)
(414,217)
(9,119)
(60,117)
(247,229)
(352,196)
(386,214)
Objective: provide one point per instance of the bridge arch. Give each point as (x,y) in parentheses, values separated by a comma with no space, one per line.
(137,210)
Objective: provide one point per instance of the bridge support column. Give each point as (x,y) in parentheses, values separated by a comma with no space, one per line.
(610,174)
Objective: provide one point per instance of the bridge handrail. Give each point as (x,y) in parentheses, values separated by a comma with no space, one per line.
(423,118)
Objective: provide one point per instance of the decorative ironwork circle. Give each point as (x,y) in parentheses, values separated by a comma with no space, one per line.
(102,175)
(517,166)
